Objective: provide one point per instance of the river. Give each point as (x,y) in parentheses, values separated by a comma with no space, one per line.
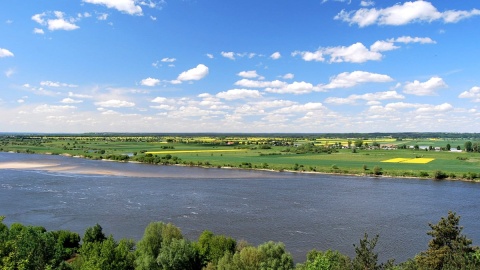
(304,211)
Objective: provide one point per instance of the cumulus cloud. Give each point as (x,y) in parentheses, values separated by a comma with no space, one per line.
(194,74)
(239,94)
(308,107)
(115,103)
(10,72)
(5,53)
(38,31)
(229,55)
(70,101)
(45,108)
(355,53)
(57,84)
(473,94)
(288,76)
(294,88)
(56,21)
(401,14)
(150,82)
(427,88)
(408,39)
(248,74)
(350,79)
(126,6)
(427,108)
(168,60)
(370,97)
(382,46)
(276,55)
(260,84)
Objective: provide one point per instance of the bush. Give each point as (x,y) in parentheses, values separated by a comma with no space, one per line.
(439,175)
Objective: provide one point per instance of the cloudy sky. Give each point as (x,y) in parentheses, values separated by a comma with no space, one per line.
(239,66)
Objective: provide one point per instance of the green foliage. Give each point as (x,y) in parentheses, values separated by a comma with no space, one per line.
(328,260)
(94,234)
(448,245)
(179,254)
(106,255)
(377,170)
(439,175)
(366,258)
(213,247)
(156,235)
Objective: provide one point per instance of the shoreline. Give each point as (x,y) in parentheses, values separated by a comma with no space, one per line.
(55,167)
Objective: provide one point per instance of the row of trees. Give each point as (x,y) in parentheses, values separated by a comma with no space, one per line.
(164,247)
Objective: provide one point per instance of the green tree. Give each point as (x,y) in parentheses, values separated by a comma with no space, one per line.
(328,260)
(366,258)
(106,255)
(94,234)
(275,256)
(448,147)
(156,235)
(447,244)
(358,143)
(179,254)
(468,146)
(213,247)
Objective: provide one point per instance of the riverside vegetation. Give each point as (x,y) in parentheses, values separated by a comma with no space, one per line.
(164,247)
(422,155)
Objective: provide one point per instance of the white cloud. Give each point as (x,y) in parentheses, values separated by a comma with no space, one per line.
(102,17)
(125,6)
(288,76)
(401,14)
(115,103)
(367,3)
(355,53)
(194,74)
(346,79)
(56,84)
(70,101)
(58,23)
(9,72)
(38,31)
(435,108)
(168,60)
(370,97)
(295,88)
(382,46)
(408,39)
(473,94)
(45,108)
(150,82)
(229,55)
(310,56)
(5,53)
(260,84)
(39,18)
(276,55)
(427,88)
(239,94)
(248,74)
(310,106)
(71,94)
(209,55)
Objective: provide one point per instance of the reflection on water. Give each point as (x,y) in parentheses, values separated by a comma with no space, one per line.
(303,211)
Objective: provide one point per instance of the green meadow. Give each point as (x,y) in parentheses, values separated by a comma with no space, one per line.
(357,156)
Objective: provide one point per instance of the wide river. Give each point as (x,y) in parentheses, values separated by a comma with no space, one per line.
(304,211)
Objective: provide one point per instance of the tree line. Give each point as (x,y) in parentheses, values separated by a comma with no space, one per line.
(164,247)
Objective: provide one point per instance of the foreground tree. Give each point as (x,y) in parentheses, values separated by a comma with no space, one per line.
(449,248)
(156,236)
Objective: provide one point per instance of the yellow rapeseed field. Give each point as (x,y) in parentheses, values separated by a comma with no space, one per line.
(409,160)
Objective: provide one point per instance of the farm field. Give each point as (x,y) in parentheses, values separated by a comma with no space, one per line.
(425,157)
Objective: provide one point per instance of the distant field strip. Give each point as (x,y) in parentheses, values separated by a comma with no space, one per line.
(396,160)
(409,160)
(192,151)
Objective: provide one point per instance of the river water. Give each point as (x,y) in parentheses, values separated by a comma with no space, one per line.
(304,211)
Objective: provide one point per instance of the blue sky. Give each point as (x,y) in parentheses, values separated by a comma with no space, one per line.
(239,66)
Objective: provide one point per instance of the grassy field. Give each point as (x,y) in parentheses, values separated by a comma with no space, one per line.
(326,155)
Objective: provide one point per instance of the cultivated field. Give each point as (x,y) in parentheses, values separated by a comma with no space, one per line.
(408,157)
